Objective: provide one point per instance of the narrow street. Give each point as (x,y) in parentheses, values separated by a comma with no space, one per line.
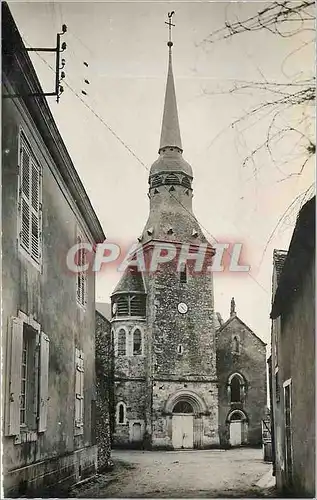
(186,474)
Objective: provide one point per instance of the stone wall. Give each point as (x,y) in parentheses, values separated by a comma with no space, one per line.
(130,386)
(105,408)
(205,414)
(296,362)
(251,364)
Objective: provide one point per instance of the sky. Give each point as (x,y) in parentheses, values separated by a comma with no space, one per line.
(124,44)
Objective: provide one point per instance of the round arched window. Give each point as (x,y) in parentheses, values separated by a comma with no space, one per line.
(183,407)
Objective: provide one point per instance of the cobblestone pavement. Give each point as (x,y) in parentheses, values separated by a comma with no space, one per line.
(185,474)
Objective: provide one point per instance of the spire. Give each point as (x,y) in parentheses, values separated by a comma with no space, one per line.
(170,135)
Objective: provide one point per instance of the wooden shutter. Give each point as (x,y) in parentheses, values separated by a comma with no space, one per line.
(30,202)
(43,382)
(13,423)
(81,276)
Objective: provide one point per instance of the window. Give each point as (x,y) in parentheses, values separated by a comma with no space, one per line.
(180,349)
(183,407)
(122,349)
(236,345)
(25,363)
(287,385)
(236,415)
(29,204)
(277,387)
(121,413)
(137,342)
(28,396)
(27,405)
(81,289)
(183,274)
(236,388)
(131,305)
(79,390)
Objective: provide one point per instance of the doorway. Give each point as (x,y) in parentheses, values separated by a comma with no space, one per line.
(288,430)
(236,428)
(183,426)
(136,432)
(235,433)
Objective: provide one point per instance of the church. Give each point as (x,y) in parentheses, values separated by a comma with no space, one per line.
(173,387)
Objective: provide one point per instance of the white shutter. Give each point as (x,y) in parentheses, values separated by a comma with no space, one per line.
(43,382)
(13,427)
(30,202)
(35,204)
(81,276)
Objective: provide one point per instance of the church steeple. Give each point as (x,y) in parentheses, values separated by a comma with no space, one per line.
(170,134)
(171,216)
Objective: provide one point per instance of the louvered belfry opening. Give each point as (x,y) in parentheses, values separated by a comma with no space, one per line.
(172,179)
(131,305)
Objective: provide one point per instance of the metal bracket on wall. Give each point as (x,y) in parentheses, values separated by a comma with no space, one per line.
(59,66)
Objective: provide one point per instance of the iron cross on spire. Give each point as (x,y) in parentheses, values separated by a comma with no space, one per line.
(170,24)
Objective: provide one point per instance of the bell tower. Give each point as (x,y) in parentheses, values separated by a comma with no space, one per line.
(180,403)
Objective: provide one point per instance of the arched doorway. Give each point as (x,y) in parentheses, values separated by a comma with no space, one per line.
(185,410)
(136,432)
(237,427)
(183,425)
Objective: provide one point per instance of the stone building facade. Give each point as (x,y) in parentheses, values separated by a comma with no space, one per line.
(104,390)
(165,363)
(48,312)
(293,360)
(241,370)
(166,378)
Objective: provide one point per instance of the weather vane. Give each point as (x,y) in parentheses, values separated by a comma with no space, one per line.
(170,24)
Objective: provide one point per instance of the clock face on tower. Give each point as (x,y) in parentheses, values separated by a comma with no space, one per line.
(182,308)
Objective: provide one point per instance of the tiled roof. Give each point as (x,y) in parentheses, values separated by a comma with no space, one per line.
(131,281)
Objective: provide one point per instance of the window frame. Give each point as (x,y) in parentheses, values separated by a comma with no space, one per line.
(287,428)
(124,406)
(81,276)
(236,342)
(24,144)
(180,349)
(140,352)
(30,338)
(242,385)
(121,329)
(183,273)
(30,430)
(277,385)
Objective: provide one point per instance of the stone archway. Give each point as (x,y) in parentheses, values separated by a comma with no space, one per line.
(238,427)
(185,409)
(197,402)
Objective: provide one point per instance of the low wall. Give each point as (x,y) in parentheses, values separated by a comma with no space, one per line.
(55,474)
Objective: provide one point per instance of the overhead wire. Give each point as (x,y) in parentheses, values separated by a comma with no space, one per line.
(138,159)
